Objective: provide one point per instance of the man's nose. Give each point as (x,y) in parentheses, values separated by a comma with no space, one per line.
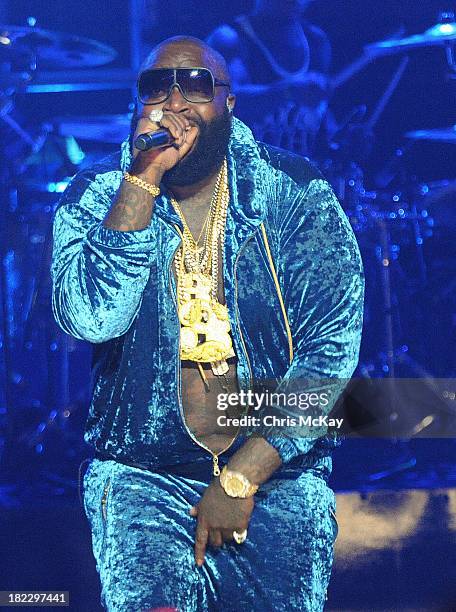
(176,101)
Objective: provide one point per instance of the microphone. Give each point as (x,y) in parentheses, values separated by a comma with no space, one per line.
(153,140)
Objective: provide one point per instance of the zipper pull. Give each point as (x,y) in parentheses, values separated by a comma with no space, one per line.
(216,470)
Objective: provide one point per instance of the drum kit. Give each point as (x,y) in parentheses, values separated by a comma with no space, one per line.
(392,226)
(42,412)
(405,232)
(402,227)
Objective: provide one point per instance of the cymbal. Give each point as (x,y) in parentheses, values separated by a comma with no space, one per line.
(55,49)
(110,129)
(437,35)
(447,135)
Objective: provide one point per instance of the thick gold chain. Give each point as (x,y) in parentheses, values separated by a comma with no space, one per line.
(205,324)
(190,251)
(187,256)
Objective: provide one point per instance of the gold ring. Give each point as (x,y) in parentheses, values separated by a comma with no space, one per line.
(240,537)
(156,115)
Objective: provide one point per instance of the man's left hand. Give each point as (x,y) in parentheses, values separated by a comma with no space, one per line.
(218,516)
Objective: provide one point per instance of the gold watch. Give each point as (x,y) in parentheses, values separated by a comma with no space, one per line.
(236,484)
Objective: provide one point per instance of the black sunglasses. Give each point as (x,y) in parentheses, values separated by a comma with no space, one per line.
(195,84)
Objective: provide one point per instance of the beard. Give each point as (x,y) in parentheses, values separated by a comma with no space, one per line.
(207,155)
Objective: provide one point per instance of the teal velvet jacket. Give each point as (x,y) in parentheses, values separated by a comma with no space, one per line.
(294,290)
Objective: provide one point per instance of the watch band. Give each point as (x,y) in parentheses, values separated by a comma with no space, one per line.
(236,484)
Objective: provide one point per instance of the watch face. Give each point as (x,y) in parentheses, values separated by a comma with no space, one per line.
(236,486)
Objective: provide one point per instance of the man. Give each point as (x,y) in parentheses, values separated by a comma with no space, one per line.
(186,511)
(279,64)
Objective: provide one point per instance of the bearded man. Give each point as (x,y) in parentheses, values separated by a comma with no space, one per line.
(208,266)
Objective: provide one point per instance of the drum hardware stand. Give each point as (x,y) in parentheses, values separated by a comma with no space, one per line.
(387,94)
(385,253)
(391,358)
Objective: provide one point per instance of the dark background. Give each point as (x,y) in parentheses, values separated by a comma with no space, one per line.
(425,97)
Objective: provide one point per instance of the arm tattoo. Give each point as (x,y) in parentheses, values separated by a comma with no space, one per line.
(131,209)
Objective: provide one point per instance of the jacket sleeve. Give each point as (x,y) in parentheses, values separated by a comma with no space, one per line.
(321,275)
(98,274)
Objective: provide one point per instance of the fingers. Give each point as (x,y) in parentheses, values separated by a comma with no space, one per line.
(180,127)
(227,535)
(215,538)
(191,135)
(202,534)
(177,125)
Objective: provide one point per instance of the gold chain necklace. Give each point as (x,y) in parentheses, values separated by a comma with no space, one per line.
(204,320)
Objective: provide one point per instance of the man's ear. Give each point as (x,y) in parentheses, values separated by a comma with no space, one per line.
(231,102)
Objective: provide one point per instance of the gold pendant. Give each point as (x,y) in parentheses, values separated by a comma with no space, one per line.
(196,284)
(205,326)
(189,339)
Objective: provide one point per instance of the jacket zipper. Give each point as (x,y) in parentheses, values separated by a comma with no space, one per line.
(215,456)
(279,292)
(104,500)
(333,514)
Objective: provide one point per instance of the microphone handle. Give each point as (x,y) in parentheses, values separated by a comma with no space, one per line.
(153,140)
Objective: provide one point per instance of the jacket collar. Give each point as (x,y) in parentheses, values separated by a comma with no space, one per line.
(248,176)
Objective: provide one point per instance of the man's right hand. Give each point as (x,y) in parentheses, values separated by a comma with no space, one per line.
(151,165)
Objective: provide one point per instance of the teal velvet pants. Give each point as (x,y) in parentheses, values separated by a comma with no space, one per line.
(143,537)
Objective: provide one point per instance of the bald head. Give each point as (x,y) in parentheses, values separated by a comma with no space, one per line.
(212,117)
(187,51)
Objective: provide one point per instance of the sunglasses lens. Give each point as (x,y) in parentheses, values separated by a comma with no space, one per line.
(154,85)
(197,84)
